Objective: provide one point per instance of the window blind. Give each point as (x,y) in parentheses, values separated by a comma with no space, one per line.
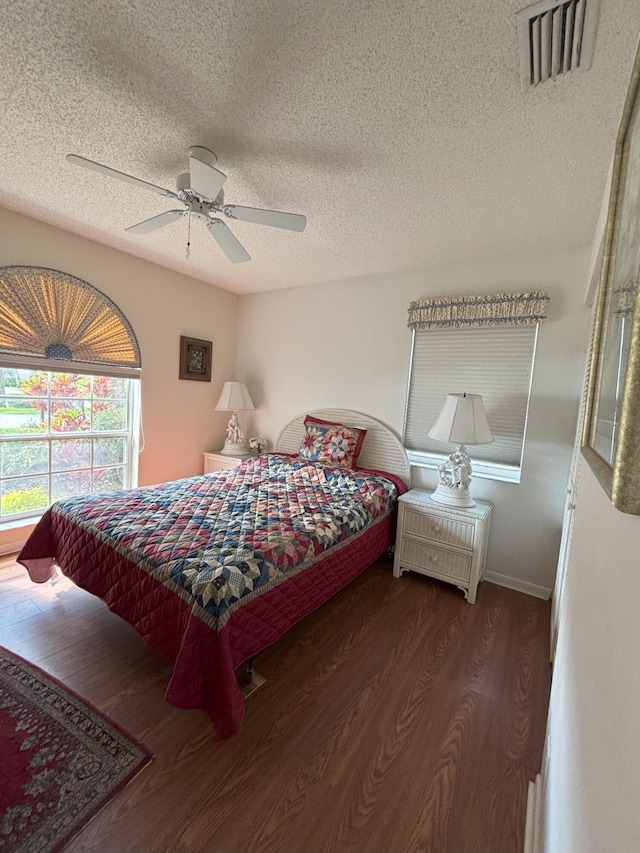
(52,320)
(496,362)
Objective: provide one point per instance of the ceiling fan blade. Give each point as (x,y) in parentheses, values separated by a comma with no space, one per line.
(232,248)
(156,222)
(290,221)
(121,176)
(205,179)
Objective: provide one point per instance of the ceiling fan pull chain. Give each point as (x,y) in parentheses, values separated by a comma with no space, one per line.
(189,236)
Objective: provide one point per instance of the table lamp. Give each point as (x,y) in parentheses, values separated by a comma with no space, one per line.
(234,398)
(461,421)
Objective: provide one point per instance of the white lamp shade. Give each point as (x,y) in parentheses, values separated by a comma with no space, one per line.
(462,421)
(234,398)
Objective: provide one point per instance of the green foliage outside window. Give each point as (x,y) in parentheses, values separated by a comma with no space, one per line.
(69,411)
(24,500)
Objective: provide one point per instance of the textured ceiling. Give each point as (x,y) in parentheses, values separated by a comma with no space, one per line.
(398,128)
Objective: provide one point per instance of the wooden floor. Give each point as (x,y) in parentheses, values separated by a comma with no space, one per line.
(396,718)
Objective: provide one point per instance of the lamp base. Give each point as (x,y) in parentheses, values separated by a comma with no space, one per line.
(231,449)
(452,497)
(235,445)
(454,477)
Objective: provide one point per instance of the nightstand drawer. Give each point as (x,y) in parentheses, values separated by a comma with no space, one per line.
(427,558)
(445,530)
(219,462)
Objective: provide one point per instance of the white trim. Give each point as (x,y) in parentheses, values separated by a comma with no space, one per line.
(532,829)
(84,368)
(533,589)
(134,427)
(486,470)
(130,435)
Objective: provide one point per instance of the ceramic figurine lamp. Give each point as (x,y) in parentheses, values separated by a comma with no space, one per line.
(461,421)
(234,398)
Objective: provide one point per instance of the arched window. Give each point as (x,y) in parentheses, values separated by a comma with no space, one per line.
(69,391)
(50,318)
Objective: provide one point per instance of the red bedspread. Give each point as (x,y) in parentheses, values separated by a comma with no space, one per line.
(208,645)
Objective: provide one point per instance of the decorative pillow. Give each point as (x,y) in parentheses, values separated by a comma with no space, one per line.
(325,441)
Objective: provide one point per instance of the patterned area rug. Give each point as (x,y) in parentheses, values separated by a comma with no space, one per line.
(60,759)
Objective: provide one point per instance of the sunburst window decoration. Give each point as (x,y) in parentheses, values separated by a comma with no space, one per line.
(50,315)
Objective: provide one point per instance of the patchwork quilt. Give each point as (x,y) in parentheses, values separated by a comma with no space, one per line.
(267,541)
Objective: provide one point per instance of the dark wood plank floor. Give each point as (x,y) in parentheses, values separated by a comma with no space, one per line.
(396,718)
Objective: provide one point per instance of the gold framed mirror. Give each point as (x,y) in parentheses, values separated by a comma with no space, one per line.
(611,437)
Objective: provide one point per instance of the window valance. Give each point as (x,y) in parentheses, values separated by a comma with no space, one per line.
(48,317)
(499,309)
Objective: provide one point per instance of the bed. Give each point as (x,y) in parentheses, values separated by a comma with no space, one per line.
(211,570)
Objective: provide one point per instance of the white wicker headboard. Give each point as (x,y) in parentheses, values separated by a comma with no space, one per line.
(381,450)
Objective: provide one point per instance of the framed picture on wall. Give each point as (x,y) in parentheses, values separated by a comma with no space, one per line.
(195,359)
(611,438)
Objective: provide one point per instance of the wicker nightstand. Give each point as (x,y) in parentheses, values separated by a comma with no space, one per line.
(220,462)
(448,543)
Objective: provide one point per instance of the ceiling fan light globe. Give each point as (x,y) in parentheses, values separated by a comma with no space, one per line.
(206,181)
(197,152)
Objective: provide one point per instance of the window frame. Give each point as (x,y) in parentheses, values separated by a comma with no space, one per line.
(131,434)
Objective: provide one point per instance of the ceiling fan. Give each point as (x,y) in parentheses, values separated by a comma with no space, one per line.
(200,191)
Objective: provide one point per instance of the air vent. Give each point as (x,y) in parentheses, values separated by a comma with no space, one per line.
(555,38)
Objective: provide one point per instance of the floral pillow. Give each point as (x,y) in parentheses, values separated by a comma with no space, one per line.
(325,441)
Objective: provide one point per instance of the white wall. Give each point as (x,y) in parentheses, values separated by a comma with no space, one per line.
(179,418)
(593,773)
(591,780)
(347,345)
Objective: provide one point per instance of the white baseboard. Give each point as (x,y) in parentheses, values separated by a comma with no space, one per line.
(519,585)
(532,833)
